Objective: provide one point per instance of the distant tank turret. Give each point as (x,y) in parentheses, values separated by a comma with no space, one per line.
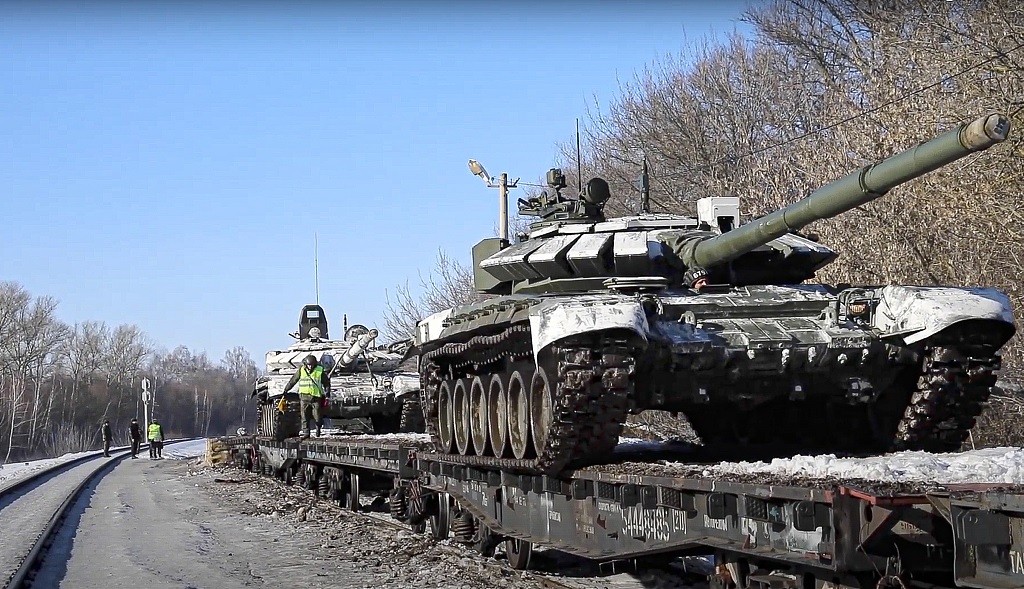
(367,382)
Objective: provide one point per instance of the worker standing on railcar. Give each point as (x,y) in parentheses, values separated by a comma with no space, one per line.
(314,385)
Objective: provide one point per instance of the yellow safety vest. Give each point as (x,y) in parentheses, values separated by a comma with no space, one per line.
(309,382)
(155,433)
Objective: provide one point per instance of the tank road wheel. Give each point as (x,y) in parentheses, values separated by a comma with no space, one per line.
(444,417)
(440,519)
(497,416)
(541,409)
(518,415)
(478,416)
(519,552)
(460,416)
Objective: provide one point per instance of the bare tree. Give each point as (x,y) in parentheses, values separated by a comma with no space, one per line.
(449,285)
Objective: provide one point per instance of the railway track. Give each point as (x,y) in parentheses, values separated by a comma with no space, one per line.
(34,509)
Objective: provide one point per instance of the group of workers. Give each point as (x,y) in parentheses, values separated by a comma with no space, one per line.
(154,433)
(314,388)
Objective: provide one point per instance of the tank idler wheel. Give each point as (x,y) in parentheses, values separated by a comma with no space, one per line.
(460,416)
(440,519)
(478,412)
(444,418)
(497,416)
(519,414)
(519,553)
(541,409)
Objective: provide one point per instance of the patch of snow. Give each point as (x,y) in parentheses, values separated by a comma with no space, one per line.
(17,470)
(989,465)
(188,449)
(386,438)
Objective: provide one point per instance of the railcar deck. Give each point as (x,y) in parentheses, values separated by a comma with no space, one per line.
(809,534)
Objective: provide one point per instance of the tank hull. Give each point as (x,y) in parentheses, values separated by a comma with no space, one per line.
(805,366)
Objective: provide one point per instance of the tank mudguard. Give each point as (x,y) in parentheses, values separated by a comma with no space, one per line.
(916,313)
(555,320)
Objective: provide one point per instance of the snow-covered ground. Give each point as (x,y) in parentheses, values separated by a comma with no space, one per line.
(16,470)
(189,449)
(990,465)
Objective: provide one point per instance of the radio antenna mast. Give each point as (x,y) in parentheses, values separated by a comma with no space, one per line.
(316,269)
(579,164)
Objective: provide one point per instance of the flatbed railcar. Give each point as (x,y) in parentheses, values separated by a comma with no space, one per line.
(761,535)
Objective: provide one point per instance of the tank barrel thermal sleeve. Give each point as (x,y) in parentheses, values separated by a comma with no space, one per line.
(856,189)
(357,348)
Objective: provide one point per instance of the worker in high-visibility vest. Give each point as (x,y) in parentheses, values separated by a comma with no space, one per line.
(156,439)
(314,385)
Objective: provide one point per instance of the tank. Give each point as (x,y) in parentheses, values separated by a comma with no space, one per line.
(588,319)
(375,383)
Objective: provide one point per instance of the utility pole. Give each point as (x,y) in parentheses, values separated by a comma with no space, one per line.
(503,207)
(503,185)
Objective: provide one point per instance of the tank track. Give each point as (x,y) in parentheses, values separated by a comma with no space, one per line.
(951,390)
(593,389)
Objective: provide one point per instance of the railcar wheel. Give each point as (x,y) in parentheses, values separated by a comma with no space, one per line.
(519,415)
(353,491)
(444,417)
(478,416)
(460,415)
(497,416)
(440,520)
(519,552)
(541,408)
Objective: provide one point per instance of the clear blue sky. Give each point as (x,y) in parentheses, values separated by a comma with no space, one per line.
(167,164)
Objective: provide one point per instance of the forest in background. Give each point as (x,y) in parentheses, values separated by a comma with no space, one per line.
(58,382)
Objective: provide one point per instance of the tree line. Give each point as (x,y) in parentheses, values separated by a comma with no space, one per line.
(58,382)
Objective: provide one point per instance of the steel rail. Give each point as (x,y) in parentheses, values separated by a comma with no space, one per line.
(24,576)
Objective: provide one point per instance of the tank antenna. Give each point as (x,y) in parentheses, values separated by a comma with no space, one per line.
(316,269)
(645,189)
(579,164)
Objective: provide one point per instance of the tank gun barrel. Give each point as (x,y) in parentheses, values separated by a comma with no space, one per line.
(357,348)
(855,189)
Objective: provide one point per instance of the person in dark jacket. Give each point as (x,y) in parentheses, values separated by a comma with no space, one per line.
(314,384)
(135,435)
(108,435)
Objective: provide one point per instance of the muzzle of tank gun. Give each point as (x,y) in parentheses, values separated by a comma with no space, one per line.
(984,132)
(358,347)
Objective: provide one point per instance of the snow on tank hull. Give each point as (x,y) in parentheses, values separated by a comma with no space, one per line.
(768,367)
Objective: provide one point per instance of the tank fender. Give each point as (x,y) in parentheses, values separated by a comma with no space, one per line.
(555,320)
(919,312)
